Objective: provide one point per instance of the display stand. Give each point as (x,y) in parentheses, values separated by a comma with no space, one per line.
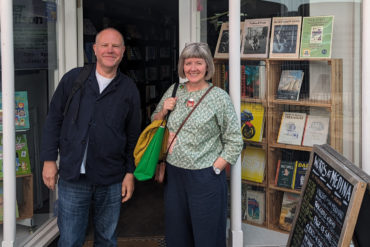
(331,102)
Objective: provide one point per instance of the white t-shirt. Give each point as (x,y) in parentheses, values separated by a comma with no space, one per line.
(103,83)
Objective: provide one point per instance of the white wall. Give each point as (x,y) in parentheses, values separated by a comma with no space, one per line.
(346,45)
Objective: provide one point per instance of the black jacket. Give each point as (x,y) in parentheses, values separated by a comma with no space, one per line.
(109,122)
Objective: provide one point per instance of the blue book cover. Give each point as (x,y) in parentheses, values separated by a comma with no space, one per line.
(290,84)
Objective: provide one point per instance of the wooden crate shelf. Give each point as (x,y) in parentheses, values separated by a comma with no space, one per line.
(25,204)
(274,108)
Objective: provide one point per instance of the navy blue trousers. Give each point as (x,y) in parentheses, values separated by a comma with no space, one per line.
(195,207)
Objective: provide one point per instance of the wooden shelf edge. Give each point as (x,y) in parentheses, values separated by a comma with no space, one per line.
(274,187)
(223,59)
(292,147)
(20,176)
(279,59)
(317,103)
(263,184)
(263,143)
(253,100)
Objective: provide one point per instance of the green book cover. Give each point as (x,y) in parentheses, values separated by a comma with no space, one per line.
(316,38)
(22,158)
(21,118)
(286,173)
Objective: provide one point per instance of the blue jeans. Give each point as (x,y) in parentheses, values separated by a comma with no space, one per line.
(74,201)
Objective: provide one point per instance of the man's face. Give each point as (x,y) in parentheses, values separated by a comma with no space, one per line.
(109,49)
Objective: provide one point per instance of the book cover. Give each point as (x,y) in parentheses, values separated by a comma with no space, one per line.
(285,37)
(255,38)
(251,79)
(262,75)
(288,210)
(317,35)
(300,169)
(253,164)
(291,128)
(255,206)
(316,130)
(252,121)
(290,84)
(22,118)
(22,159)
(222,47)
(286,171)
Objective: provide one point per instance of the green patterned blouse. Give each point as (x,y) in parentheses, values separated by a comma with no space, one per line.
(212,131)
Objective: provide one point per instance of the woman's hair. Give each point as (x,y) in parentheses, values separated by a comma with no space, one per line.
(196,50)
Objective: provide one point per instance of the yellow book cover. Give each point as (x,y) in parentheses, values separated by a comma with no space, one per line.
(252,121)
(253,164)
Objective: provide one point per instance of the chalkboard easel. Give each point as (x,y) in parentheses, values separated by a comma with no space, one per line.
(330,201)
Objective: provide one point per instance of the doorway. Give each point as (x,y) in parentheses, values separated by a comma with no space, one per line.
(150,30)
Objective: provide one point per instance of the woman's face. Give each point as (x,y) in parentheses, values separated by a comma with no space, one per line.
(195,69)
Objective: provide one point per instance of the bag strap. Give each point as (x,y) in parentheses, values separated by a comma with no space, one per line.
(173,95)
(186,119)
(78,84)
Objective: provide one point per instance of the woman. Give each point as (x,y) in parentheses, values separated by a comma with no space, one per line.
(196,188)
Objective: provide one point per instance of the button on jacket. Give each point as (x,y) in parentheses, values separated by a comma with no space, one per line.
(109,123)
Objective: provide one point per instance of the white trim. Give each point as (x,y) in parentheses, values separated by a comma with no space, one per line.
(365,86)
(44,235)
(70,14)
(7,74)
(236,235)
(60,43)
(80,34)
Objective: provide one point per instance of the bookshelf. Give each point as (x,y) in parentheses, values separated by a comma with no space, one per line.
(328,101)
(25,198)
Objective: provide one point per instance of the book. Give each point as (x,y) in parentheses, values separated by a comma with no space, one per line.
(255,38)
(255,211)
(288,210)
(262,75)
(285,37)
(285,175)
(291,128)
(22,165)
(22,118)
(290,84)
(253,164)
(316,130)
(316,38)
(299,173)
(250,80)
(252,121)
(222,47)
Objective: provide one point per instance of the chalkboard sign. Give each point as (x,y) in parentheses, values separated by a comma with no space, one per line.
(330,202)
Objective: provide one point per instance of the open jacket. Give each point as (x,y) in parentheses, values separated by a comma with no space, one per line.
(109,123)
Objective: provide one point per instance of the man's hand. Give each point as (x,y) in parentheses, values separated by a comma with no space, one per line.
(128,185)
(49,174)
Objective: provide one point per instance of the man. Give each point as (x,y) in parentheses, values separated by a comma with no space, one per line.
(95,140)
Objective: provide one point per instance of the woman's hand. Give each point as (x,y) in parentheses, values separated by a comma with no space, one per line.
(220,163)
(168,105)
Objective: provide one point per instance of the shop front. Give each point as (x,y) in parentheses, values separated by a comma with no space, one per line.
(51,37)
